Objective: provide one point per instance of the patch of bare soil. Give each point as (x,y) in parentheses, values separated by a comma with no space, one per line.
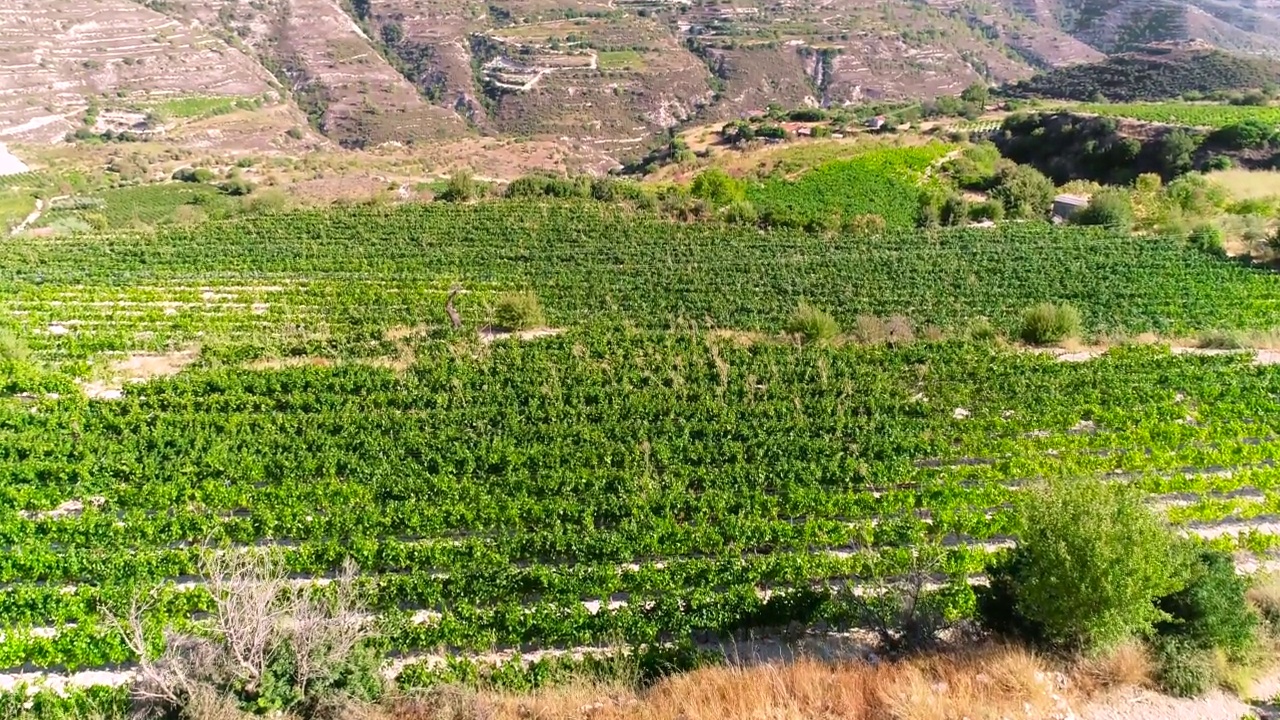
(289,362)
(489,335)
(138,368)
(1135,704)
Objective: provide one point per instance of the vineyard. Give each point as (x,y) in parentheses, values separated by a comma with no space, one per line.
(333,283)
(139,206)
(642,479)
(882,182)
(1192,114)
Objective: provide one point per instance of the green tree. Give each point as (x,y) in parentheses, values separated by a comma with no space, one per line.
(977,93)
(1024,191)
(718,187)
(1110,207)
(1091,562)
(1176,151)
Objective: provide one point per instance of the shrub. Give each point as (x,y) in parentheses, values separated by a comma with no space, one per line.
(955,210)
(1176,150)
(1183,670)
(1211,611)
(1024,191)
(1245,135)
(1049,323)
(518,311)
(1091,561)
(12,348)
(865,224)
(812,324)
(981,330)
(1110,208)
(986,210)
(741,212)
(274,646)
(1207,237)
(461,188)
(237,187)
(1264,597)
(193,175)
(1219,162)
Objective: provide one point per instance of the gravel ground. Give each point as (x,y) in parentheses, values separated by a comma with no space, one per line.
(1146,705)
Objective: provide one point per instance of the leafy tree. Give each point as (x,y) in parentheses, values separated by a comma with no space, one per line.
(1024,191)
(1110,207)
(1176,151)
(718,187)
(977,93)
(1091,562)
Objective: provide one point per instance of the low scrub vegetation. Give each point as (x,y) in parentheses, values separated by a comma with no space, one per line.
(518,311)
(812,325)
(1049,323)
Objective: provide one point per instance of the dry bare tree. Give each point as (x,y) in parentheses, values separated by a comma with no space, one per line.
(260,618)
(454,317)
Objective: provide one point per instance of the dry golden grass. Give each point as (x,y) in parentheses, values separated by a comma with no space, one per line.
(1128,665)
(989,682)
(1248,184)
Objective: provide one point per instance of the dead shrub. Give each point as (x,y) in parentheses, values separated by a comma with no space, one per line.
(270,643)
(870,330)
(899,330)
(1127,665)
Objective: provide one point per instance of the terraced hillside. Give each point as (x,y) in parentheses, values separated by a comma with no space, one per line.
(55,56)
(659,468)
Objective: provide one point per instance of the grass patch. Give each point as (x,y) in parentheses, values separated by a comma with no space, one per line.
(1222,340)
(812,324)
(620,60)
(1248,184)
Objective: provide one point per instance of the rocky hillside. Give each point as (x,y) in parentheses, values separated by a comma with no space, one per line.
(614,73)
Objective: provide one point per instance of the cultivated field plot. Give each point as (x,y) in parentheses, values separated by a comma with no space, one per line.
(630,481)
(343,279)
(1194,114)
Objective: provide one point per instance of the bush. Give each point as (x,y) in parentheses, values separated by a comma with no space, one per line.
(717,187)
(1091,561)
(986,210)
(1049,323)
(518,311)
(275,647)
(1110,208)
(1207,237)
(1176,150)
(237,187)
(812,324)
(1211,611)
(1245,135)
(1222,340)
(955,210)
(193,175)
(981,330)
(1024,191)
(461,188)
(1219,162)
(741,212)
(1184,670)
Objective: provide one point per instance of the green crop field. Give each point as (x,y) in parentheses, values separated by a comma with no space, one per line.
(141,205)
(642,479)
(882,182)
(1194,114)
